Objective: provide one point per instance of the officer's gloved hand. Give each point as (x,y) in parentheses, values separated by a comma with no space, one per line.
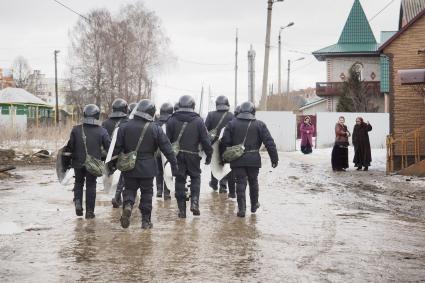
(274,164)
(208,160)
(174,170)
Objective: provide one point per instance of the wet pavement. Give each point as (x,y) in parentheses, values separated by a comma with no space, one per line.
(313,225)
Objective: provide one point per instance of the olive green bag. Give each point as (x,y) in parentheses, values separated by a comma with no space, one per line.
(127,161)
(234,152)
(93,165)
(176,145)
(214,132)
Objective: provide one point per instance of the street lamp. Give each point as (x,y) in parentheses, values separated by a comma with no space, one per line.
(280,56)
(267,53)
(289,72)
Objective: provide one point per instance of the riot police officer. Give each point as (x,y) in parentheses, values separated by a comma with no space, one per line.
(186,131)
(145,137)
(246,168)
(117,118)
(86,141)
(215,122)
(165,113)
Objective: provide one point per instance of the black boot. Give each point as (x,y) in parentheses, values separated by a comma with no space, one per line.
(78,207)
(146,221)
(223,189)
(254,207)
(125,217)
(159,189)
(359,168)
(167,195)
(90,214)
(366,168)
(116,201)
(232,195)
(213,186)
(182,208)
(194,206)
(241,206)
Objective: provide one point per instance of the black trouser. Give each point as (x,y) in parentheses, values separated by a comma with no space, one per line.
(160,184)
(120,185)
(214,181)
(81,176)
(146,191)
(195,187)
(227,180)
(244,176)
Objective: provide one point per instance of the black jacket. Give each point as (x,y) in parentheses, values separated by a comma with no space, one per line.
(110,124)
(97,137)
(195,134)
(258,134)
(214,117)
(128,136)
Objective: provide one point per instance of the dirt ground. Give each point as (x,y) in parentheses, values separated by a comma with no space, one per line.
(313,225)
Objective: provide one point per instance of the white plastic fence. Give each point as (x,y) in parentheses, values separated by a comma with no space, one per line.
(282,126)
(326,127)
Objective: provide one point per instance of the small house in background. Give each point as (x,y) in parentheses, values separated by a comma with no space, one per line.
(20,109)
(358,47)
(404,74)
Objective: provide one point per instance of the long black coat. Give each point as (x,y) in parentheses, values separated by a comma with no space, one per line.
(362,152)
(258,134)
(96,136)
(214,117)
(110,123)
(128,136)
(195,134)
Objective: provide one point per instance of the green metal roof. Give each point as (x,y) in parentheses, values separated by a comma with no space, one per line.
(356,37)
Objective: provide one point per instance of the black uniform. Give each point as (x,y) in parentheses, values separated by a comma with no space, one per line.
(146,167)
(160,185)
(188,158)
(110,124)
(212,121)
(246,168)
(97,137)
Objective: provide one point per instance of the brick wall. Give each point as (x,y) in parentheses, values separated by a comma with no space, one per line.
(407,107)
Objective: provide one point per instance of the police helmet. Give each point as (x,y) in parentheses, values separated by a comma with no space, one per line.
(91,114)
(247,111)
(186,103)
(146,109)
(119,108)
(222,103)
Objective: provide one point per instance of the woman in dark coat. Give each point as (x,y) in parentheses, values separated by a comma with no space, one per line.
(307,131)
(362,152)
(340,150)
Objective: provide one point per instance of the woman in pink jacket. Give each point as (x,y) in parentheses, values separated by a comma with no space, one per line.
(307,132)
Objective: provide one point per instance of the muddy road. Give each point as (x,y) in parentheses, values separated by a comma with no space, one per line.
(313,225)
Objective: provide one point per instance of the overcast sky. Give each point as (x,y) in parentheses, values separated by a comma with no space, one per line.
(200,31)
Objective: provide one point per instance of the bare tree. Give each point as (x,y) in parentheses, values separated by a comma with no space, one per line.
(112,57)
(21,71)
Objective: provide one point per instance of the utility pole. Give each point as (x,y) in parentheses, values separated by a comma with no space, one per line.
(289,74)
(236,70)
(280,57)
(201,103)
(251,75)
(267,53)
(56,88)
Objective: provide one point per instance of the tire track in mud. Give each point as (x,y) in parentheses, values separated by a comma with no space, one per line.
(324,245)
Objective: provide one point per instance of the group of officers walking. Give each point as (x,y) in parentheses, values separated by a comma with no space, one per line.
(141,140)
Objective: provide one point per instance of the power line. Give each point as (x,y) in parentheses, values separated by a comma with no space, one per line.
(205,64)
(382,10)
(70,9)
